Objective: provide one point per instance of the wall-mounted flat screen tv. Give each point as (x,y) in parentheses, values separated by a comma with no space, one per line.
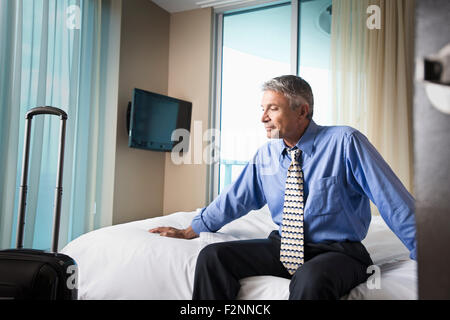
(153,117)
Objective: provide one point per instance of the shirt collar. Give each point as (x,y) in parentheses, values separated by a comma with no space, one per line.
(306,142)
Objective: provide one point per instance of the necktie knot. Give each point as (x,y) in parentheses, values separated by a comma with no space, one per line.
(294,152)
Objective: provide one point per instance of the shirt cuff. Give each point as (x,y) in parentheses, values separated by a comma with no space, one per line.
(198,224)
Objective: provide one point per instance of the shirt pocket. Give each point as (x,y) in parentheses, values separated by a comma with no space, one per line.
(324,197)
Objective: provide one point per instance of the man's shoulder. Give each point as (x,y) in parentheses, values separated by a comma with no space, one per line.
(339,132)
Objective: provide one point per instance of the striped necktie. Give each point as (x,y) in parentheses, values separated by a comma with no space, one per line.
(291,251)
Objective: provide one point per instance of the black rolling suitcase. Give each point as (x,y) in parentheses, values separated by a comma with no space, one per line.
(36,274)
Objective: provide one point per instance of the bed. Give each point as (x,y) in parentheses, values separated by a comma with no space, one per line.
(125,261)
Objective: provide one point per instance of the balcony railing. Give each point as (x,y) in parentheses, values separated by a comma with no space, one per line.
(228,169)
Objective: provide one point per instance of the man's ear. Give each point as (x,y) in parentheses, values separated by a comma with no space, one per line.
(304,110)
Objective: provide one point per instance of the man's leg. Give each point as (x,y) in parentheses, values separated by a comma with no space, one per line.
(330,272)
(221,265)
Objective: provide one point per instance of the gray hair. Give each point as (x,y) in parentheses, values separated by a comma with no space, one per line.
(295,89)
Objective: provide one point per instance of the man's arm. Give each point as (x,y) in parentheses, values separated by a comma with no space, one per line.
(377,180)
(242,196)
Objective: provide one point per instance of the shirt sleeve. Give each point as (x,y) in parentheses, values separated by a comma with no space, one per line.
(367,168)
(243,195)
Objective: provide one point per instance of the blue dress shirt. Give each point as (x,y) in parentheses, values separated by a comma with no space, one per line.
(342,171)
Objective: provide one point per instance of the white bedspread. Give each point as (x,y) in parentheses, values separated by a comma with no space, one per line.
(127,262)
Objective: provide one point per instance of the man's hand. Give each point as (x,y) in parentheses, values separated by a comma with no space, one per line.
(175,233)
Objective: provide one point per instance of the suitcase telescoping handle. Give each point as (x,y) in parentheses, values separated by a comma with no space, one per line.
(24,188)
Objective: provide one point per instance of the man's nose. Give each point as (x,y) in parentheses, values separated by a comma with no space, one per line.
(265,117)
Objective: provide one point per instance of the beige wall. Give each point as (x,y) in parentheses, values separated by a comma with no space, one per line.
(168,54)
(189,79)
(144,52)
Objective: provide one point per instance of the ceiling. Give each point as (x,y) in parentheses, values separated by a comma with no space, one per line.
(177,5)
(184,5)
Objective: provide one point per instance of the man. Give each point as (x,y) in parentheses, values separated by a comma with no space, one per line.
(319,196)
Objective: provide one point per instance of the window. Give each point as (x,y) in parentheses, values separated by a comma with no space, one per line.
(61,54)
(254,45)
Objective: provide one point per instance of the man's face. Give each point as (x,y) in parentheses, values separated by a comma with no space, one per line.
(280,121)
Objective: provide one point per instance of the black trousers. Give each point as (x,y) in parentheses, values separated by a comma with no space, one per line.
(330,270)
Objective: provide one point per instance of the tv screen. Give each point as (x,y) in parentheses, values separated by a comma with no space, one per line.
(152,119)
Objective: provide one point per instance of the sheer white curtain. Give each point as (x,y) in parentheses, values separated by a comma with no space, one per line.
(372,76)
(59,53)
